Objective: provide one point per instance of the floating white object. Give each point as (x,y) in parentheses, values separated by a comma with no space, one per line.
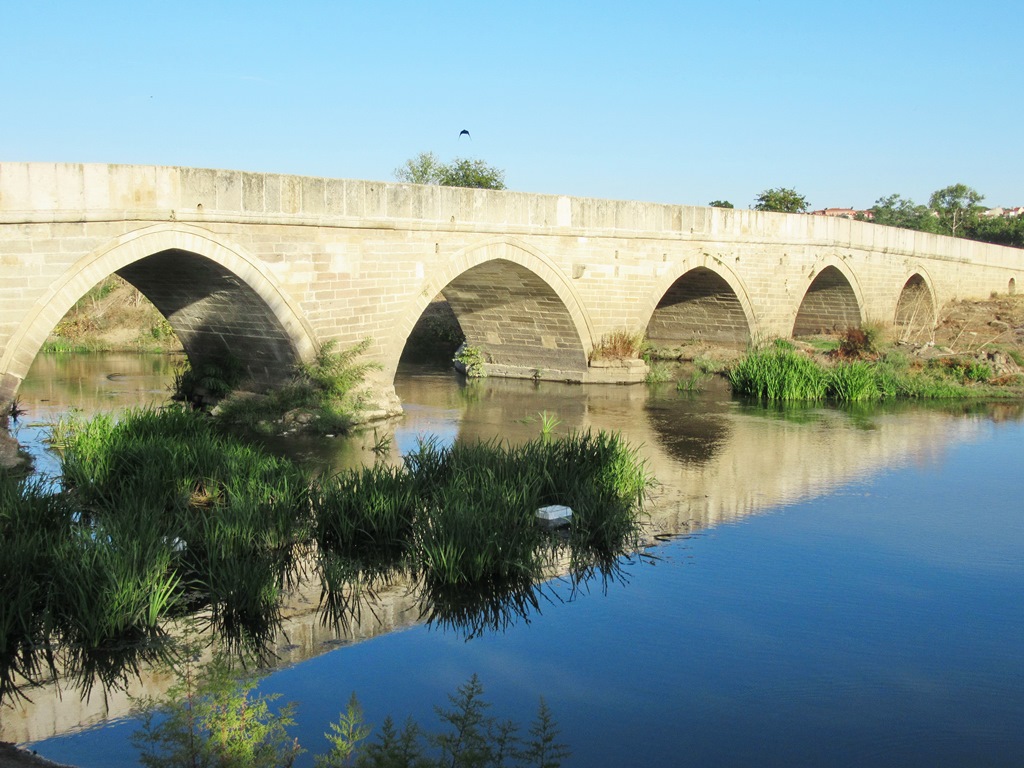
(554,515)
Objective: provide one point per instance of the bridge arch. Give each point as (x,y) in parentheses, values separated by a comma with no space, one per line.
(916,311)
(215,296)
(706,302)
(514,303)
(832,300)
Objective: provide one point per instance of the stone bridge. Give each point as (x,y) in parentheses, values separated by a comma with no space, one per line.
(268,267)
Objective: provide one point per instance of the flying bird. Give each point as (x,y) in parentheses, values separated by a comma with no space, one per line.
(464,132)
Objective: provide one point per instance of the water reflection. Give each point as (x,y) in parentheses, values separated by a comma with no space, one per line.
(717,460)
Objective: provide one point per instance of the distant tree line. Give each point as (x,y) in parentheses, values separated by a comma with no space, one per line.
(427,168)
(954,210)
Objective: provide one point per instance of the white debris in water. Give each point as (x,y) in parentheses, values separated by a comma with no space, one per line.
(554,515)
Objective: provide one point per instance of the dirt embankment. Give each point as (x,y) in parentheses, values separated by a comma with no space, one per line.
(967,326)
(114,317)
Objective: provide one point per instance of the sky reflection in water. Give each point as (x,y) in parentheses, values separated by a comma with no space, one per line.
(859,605)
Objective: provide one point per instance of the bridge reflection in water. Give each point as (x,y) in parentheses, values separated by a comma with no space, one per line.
(716,461)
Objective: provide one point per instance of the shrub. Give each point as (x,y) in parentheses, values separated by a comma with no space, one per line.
(619,345)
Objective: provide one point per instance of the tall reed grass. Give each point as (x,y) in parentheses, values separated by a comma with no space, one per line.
(779,372)
(159,515)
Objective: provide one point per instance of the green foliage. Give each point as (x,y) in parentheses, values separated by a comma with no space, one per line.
(345,737)
(548,422)
(212,718)
(658,373)
(780,373)
(965,370)
(895,211)
(999,230)
(953,210)
(427,168)
(692,383)
(472,361)
(781,200)
(173,519)
(233,514)
(326,390)
(543,748)
(852,382)
(777,373)
(957,206)
(720,204)
(474,173)
(209,379)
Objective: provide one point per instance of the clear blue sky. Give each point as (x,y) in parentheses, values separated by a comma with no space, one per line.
(672,102)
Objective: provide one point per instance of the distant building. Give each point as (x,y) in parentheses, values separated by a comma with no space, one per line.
(1006,213)
(844,213)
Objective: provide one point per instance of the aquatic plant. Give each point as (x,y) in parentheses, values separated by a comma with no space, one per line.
(852,382)
(160,515)
(548,423)
(236,515)
(692,383)
(657,373)
(472,361)
(778,372)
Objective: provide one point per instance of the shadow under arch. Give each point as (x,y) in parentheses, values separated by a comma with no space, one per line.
(832,301)
(514,304)
(217,298)
(702,303)
(916,312)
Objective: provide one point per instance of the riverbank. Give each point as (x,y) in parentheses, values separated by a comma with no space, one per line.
(13,756)
(975,351)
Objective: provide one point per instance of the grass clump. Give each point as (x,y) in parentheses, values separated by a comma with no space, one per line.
(161,515)
(780,373)
(619,345)
(224,519)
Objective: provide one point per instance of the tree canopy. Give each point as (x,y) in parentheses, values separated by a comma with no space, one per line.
(427,168)
(896,211)
(781,200)
(956,205)
(721,204)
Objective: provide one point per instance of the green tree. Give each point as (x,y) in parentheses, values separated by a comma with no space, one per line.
(721,204)
(426,168)
(999,230)
(781,200)
(214,719)
(543,748)
(345,737)
(896,211)
(466,172)
(957,206)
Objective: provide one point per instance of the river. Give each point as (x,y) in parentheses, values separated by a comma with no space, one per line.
(829,587)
